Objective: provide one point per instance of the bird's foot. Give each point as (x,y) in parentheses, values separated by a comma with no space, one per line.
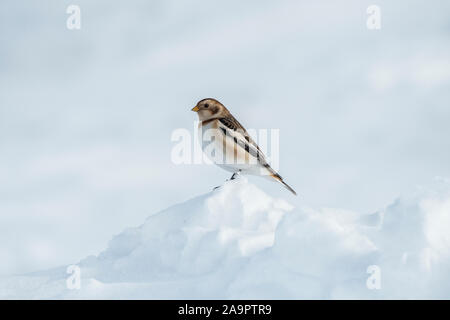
(235,175)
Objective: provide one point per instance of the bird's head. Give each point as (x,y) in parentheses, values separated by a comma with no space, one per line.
(210,109)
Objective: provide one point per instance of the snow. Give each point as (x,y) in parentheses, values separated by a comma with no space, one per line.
(237,242)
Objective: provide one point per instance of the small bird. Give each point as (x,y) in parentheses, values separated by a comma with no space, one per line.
(232,147)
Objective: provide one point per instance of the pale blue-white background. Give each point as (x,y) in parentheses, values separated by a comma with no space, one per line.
(86,116)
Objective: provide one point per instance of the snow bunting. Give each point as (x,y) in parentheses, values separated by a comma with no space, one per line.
(229,145)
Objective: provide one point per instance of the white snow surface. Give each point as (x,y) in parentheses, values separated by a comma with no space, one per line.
(237,242)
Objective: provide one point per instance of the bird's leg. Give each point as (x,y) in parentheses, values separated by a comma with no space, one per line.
(235,175)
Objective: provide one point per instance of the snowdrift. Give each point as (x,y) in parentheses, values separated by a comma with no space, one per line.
(237,242)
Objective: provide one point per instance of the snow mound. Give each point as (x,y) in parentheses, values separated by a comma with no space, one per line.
(239,243)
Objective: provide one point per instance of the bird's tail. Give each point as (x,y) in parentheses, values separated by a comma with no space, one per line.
(280,180)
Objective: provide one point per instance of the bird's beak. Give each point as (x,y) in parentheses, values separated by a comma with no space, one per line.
(195,109)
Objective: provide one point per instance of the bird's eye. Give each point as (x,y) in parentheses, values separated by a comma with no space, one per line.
(206,105)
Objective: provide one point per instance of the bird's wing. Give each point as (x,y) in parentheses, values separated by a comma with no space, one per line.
(231,123)
(232,128)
